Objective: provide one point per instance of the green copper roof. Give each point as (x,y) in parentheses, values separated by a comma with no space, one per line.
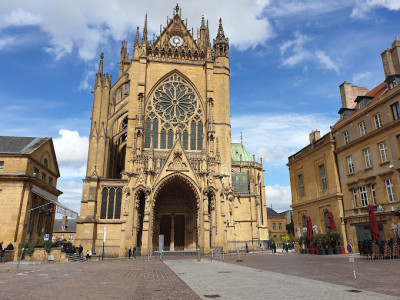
(237,149)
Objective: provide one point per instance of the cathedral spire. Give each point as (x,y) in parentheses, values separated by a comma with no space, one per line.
(137,37)
(144,36)
(221,43)
(101,64)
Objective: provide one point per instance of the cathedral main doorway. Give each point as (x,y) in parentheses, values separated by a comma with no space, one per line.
(175,216)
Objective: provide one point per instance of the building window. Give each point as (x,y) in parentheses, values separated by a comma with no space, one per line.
(378,121)
(280,226)
(45,163)
(354,191)
(274,226)
(395,110)
(61,237)
(390,190)
(363,128)
(350,164)
(373,193)
(382,151)
(43,177)
(398,139)
(71,238)
(346,137)
(301,185)
(111,203)
(1,165)
(367,158)
(35,172)
(50,180)
(322,175)
(363,195)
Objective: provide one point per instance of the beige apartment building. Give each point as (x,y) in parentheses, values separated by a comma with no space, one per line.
(160,156)
(28,189)
(315,186)
(276,224)
(365,154)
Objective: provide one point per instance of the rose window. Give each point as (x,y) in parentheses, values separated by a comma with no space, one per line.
(174,112)
(174,102)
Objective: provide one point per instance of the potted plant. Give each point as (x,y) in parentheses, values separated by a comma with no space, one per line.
(301,241)
(336,242)
(329,243)
(324,243)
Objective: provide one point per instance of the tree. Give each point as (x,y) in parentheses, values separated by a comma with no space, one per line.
(290,228)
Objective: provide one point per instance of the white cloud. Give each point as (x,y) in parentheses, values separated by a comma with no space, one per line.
(275,137)
(279,196)
(294,53)
(72,194)
(363,7)
(21,18)
(88,78)
(326,61)
(96,21)
(6,41)
(71,150)
(357,77)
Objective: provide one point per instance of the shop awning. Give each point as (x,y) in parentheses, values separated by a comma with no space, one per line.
(60,208)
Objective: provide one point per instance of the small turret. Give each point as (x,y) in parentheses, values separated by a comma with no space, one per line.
(100,72)
(123,56)
(204,36)
(221,43)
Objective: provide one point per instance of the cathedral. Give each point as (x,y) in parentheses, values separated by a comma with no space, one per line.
(161,161)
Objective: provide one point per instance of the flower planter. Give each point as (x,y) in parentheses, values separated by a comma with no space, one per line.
(336,251)
(312,251)
(317,251)
(329,251)
(342,251)
(322,251)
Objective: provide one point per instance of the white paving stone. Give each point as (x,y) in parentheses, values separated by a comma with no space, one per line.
(231,282)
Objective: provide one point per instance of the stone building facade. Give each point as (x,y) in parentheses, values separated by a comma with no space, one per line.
(28,189)
(160,154)
(276,224)
(364,155)
(315,186)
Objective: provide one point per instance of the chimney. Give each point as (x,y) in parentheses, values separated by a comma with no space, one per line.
(315,136)
(391,59)
(349,93)
(64,223)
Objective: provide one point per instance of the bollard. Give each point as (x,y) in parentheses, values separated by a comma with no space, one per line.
(161,255)
(212,254)
(223,256)
(198,254)
(148,254)
(238,255)
(20,257)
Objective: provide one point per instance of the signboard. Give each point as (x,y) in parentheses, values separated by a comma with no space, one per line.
(349,248)
(46,237)
(351,258)
(104,234)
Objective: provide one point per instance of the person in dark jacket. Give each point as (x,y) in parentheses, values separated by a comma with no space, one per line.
(129,253)
(80,250)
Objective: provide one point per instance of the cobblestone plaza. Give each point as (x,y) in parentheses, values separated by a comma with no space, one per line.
(259,276)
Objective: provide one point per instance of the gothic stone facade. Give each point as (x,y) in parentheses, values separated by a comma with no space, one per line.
(159,157)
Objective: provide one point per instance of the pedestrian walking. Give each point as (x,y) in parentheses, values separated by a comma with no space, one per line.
(247,248)
(134,252)
(80,250)
(129,253)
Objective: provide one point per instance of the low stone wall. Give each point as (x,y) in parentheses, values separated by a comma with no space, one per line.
(41,255)
(8,255)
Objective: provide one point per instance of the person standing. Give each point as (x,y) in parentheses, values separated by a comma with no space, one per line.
(80,250)
(134,252)
(129,253)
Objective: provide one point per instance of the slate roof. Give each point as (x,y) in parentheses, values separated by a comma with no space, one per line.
(237,149)
(271,212)
(20,145)
(71,225)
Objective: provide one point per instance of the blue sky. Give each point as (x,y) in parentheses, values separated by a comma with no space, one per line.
(287,60)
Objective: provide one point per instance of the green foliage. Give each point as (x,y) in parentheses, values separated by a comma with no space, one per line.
(47,246)
(29,248)
(291,238)
(285,238)
(290,228)
(38,241)
(273,239)
(335,240)
(301,240)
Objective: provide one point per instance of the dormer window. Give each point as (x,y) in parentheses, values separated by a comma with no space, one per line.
(35,172)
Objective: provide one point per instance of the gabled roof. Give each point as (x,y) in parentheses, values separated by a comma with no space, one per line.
(71,225)
(20,145)
(238,149)
(271,212)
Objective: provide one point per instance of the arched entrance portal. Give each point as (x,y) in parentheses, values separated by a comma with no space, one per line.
(175,216)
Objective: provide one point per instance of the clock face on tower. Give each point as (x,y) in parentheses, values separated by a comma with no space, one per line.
(176,41)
